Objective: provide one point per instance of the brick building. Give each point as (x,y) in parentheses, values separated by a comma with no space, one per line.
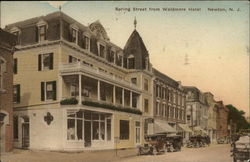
(7,42)
(221,122)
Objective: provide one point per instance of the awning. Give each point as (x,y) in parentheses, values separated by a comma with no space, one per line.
(185,127)
(162,127)
(200,130)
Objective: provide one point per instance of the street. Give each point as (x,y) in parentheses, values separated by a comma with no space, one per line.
(213,153)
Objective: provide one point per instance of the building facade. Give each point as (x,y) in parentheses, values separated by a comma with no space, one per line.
(169,104)
(7,43)
(212,116)
(222,117)
(197,110)
(76,90)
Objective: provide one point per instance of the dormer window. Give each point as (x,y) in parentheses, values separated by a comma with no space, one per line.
(42,30)
(86,42)
(42,33)
(102,50)
(74,35)
(119,60)
(16,31)
(112,56)
(131,62)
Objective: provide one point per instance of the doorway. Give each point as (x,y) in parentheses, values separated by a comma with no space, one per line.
(87,133)
(25,135)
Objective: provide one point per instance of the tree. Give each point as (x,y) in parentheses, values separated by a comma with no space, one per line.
(237,116)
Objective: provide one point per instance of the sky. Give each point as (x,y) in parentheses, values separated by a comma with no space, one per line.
(206,49)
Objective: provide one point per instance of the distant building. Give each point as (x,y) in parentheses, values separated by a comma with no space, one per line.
(212,116)
(197,110)
(169,104)
(7,43)
(222,117)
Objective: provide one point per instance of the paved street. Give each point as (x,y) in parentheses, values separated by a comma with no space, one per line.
(213,153)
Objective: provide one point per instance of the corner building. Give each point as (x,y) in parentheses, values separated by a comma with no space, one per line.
(76,90)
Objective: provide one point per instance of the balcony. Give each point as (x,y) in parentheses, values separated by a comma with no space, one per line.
(81,68)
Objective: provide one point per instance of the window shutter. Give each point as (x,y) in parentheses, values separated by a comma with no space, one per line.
(70,59)
(15,66)
(54,90)
(39,62)
(37,33)
(51,61)
(42,91)
(18,93)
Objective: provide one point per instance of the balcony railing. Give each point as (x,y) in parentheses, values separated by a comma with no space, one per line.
(81,67)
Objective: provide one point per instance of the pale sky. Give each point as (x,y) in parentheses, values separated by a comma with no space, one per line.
(216,42)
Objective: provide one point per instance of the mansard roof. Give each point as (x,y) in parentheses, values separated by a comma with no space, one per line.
(165,78)
(135,42)
(7,40)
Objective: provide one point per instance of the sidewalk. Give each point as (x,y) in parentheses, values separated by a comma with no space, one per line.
(19,155)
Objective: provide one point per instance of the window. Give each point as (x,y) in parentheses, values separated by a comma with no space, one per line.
(42,33)
(167,111)
(131,62)
(137,132)
(74,36)
(17,34)
(118,60)
(111,56)
(15,66)
(124,129)
(16,93)
(101,51)
(86,42)
(145,84)
(45,61)
(163,109)
(15,127)
(75,126)
(157,108)
(134,80)
(146,105)
(108,129)
(73,90)
(134,100)
(48,90)
(73,59)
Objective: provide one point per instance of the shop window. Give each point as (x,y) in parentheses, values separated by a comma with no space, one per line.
(75,126)
(45,61)
(146,105)
(15,127)
(137,132)
(16,93)
(48,90)
(124,129)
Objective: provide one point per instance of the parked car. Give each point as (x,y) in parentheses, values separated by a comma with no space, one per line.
(154,144)
(160,143)
(241,148)
(198,141)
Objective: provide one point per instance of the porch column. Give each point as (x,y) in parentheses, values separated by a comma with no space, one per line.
(123,97)
(114,98)
(130,99)
(80,89)
(98,90)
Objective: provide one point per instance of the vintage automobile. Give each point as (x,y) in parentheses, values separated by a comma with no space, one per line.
(223,140)
(198,141)
(160,143)
(154,144)
(241,149)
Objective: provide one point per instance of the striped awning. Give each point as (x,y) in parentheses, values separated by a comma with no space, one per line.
(163,127)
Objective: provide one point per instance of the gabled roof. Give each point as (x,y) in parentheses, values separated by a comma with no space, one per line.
(135,42)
